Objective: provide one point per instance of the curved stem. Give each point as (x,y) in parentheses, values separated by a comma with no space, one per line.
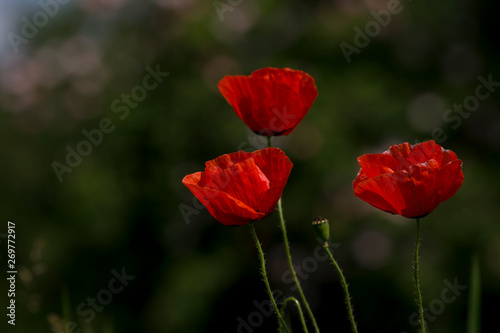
(417,280)
(346,290)
(297,304)
(264,277)
(292,269)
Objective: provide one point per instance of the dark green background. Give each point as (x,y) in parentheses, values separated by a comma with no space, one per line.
(119,208)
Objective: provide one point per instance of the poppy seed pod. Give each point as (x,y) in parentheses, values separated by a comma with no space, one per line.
(322,228)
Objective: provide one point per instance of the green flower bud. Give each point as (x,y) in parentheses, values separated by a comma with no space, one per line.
(322,229)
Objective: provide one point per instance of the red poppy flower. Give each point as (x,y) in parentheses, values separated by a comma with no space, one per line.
(241,187)
(271,101)
(409,180)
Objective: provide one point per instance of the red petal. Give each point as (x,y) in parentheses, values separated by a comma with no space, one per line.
(376,164)
(424,196)
(241,187)
(299,81)
(447,156)
(451,179)
(243,181)
(271,101)
(224,208)
(425,151)
(411,194)
(425,175)
(384,191)
(273,162)
(400,152)
(359,178)
(226,161)
(246,99)
(276,166)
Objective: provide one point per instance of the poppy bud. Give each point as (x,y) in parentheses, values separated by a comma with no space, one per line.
(322,229)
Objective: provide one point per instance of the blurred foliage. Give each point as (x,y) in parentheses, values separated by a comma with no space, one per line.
(119,207)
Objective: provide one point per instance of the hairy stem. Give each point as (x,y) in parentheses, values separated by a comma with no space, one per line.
(346,289)
(292,269)
(417,280)
(289,257)
(297,304)
(264,277)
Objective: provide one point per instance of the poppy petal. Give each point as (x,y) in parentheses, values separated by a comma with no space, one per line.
(384,191)
(300,82)
(409,180)
(224,208)
(425,195)
(274,163)
(376,164)
(400,152)
(451,178)
(271,101)
(243,181)
(447,156)
(241,187)
(245,98)
(276,166)
(426,151)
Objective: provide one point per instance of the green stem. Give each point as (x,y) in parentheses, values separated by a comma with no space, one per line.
(292,269)
(346,289)
(264,277)
(417,280)
(289,257)
(297,304)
